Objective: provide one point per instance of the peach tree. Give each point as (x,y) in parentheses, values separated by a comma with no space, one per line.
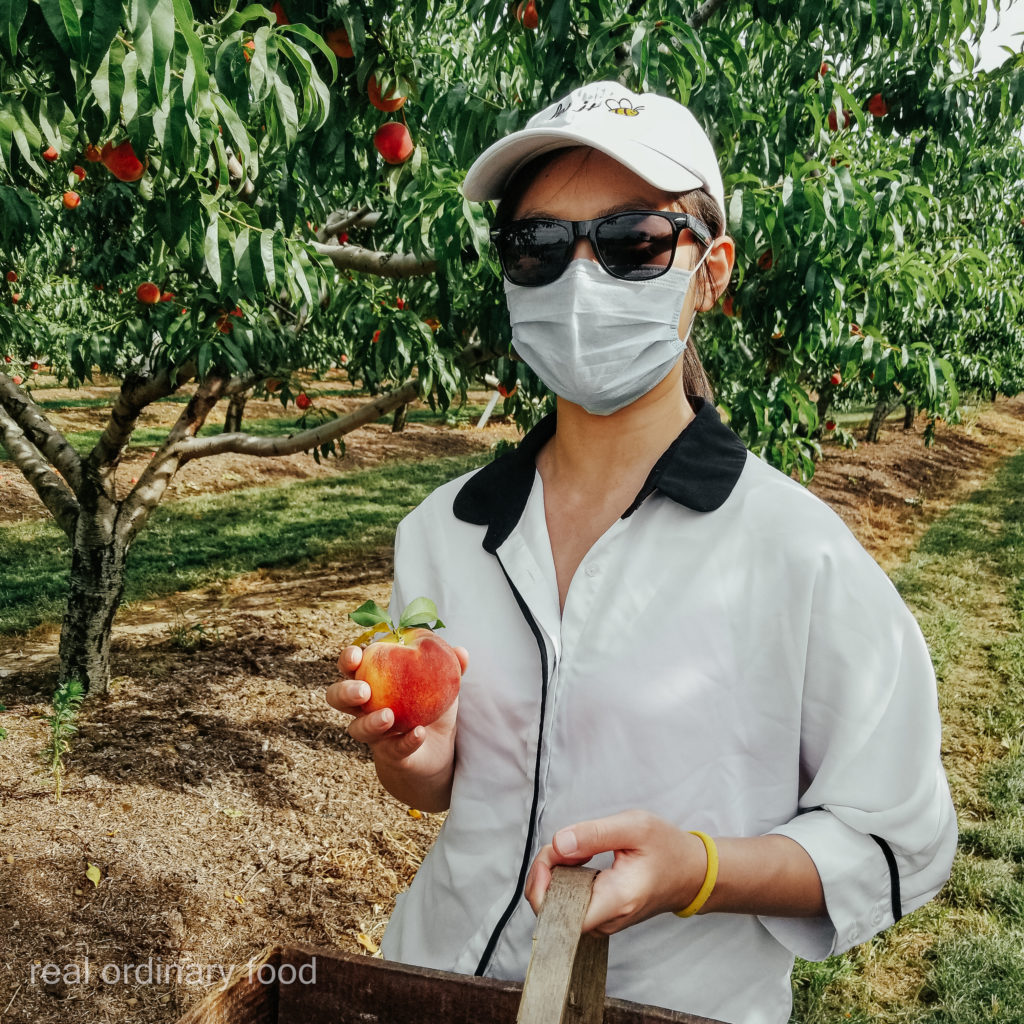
(258,190)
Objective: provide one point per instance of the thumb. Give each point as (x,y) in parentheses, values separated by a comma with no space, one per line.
(586,839)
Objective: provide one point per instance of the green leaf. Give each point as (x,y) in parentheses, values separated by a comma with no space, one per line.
(184,19)
(267,255)
(103,27)
(238,134)
(420,612)
(153,34)
(211,250)
(370,614)
(130,95)
(12,15)
(65,24)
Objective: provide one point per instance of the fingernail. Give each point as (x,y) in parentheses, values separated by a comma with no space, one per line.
(364,692)
(566,841)
(386,717)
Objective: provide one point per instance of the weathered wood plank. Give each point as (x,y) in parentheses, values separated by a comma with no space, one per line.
(553,969)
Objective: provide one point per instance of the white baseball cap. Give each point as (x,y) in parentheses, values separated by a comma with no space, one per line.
(654,136)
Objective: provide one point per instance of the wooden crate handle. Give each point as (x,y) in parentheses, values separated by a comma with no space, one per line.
(566,978)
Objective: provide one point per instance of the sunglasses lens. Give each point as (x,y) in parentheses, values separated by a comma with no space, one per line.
(636,246)
(534,252)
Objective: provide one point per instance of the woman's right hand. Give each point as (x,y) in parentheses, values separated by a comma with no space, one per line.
(423,758)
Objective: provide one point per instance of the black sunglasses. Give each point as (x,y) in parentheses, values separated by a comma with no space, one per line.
(636,245)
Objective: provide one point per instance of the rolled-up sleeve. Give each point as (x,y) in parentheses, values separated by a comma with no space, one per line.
(875,814)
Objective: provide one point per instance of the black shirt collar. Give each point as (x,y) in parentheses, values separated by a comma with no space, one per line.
(699,470)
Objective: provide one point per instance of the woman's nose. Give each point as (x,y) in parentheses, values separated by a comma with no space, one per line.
(583,250)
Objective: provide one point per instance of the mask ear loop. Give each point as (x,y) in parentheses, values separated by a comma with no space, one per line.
(693,275)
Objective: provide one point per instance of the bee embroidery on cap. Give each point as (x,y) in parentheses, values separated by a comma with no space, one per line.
(624,107)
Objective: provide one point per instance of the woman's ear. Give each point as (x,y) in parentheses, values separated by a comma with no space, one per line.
(719,265)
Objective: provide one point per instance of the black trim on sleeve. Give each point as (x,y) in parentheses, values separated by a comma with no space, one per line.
(894,877)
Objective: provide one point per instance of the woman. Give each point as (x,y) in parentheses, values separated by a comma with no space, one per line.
(685,670)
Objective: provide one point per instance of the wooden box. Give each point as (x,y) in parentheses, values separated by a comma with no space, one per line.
(564,985)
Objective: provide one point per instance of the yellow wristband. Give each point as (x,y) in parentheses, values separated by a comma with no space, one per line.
(709,878)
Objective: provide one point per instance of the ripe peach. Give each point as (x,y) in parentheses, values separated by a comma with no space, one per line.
(50,154)
(415,673)
(877,105)
(122,162)
(147,293)
(833,120)
(390,103)
(337,41)
(527,14)
(71,200)
(393,142)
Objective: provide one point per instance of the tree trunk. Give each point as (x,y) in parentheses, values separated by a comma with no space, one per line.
(882,409)
(398,423)
(236,408)
(909,415)
(94,595)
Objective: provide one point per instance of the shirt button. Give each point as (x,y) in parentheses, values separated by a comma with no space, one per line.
(592,571)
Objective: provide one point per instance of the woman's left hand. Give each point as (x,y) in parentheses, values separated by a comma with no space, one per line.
(658,868)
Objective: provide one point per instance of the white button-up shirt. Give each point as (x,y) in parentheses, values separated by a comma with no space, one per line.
(729,658)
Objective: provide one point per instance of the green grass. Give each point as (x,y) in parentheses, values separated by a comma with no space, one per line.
(978,977)
(196,541)
(965,584)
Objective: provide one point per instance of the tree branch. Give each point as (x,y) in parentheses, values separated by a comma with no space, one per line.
(40,431)
(369,261)
(237,173)
(702,15)
(138,390)
(193,416)
(147,493)
(246,444)
(342,220)
(52,491)
(183,446)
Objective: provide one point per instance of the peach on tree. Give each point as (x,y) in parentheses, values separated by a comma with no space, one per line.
(393,142)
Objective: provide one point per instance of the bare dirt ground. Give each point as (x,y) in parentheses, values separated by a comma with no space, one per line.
(223,802)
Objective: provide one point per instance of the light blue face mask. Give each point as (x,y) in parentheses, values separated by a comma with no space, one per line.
(596,340)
